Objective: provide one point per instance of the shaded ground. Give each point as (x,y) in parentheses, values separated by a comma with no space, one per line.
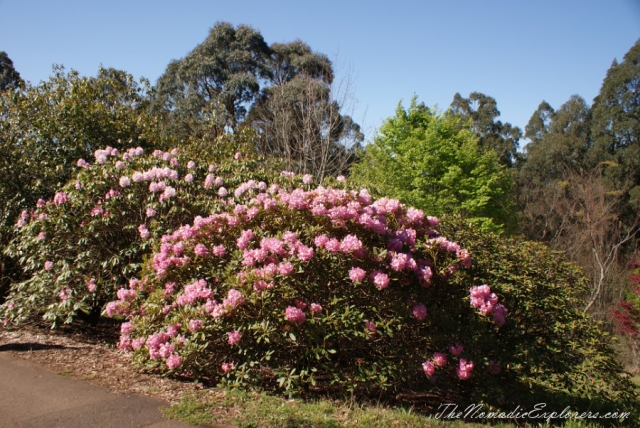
(89,354)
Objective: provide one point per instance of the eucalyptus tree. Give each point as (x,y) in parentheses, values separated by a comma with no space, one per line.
(482,111)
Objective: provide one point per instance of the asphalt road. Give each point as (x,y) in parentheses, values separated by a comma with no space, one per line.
(31,396)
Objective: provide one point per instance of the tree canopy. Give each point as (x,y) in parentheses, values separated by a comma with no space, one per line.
(9,77)
(482,111)
(431,161)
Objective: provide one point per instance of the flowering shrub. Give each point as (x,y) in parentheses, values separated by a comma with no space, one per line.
(299,287)
(550,350)
(80,247)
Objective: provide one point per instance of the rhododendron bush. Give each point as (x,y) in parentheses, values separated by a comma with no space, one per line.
(300,287)
(80,247)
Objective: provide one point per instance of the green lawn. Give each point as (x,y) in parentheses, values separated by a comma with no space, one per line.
(252,409)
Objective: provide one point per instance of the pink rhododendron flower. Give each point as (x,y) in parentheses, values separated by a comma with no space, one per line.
(300,304)
(60,198)
(212,168)
(174,361)
(305,253)
(64,294)
(350,244)
(208,181)
(188,178)
(78,185)
(48,265)
(499,314)
(40,203)
(307,179)
(144,232)
(138,342)
(371,327)
(419,311)
(440,359)
(191,165)
(380,279)
(219,250)
(464,369)
(296,315)
(456,349)
(285,268)
(120,165)
(341,178)
(234,337)
(237,156)
(83,163)
(321,240)
(151,212)
(91,285)
(124,344)
(218,181)
(429,368)
(200,250)
(227,367)
(357,274)
(42,236)
(315,308)
(222,192)
(20,222)
(126,328)
(244,239)
(194,325)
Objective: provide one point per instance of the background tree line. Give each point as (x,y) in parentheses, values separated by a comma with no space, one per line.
(575,186)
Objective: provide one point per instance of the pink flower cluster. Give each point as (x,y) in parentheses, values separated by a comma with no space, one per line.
(487,303)
(101,155)
(155,173)
(60,198)
(295,315)
(194,291)
(464,369)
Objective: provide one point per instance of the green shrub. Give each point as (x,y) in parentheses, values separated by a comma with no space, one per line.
(77,249)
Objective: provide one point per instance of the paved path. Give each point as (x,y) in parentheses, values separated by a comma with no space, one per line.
(31,396)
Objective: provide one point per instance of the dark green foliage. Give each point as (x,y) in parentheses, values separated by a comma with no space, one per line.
(554,352)
(616,121)
(559,141)
(9,77)
(45,129)
(482,111)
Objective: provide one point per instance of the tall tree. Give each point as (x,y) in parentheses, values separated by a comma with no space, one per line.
(431,161)
(298,117)
(482,111)
(217,81)
(616,120)
(9,77)
(559,140)
(283,91)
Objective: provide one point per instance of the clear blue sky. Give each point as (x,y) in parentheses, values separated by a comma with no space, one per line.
(519,52)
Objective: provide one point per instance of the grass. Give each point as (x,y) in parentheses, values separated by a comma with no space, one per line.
(65,373)
(255,410)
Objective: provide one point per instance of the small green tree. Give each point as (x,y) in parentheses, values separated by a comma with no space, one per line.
(430,161)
